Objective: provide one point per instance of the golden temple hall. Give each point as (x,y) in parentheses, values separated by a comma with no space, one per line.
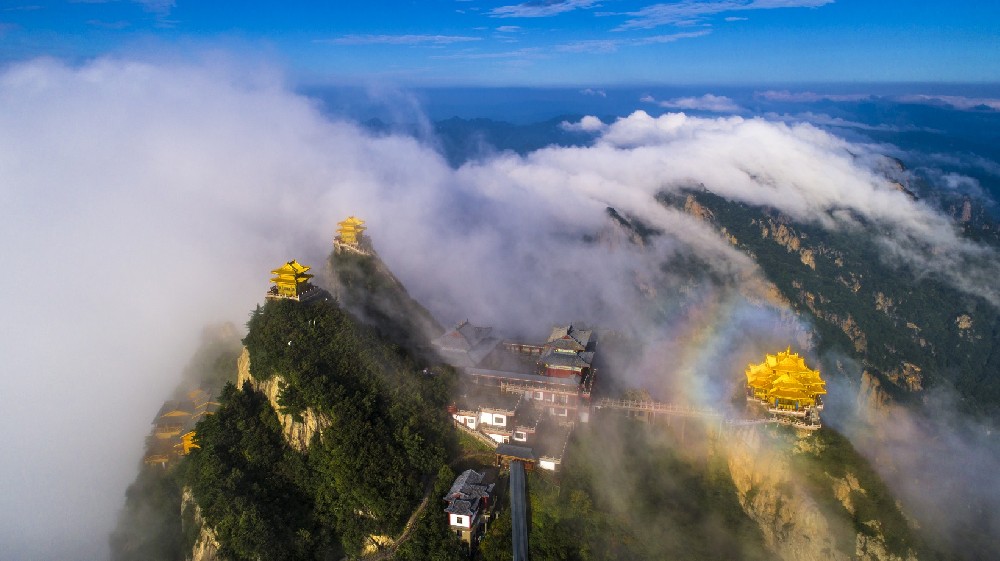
(350,230)
(785,384)
(291,281)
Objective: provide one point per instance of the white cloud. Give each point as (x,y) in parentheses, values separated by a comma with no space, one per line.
(586,124)
(808,97)
(525,53)
(707,102)
(508,29)
(145,201)
(398,40)
(541,8)
(956,101)
(822,119)
(159,7)
(693,12)
(612,45)
(735,18)
(810,175)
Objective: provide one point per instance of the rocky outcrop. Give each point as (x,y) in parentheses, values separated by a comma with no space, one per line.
(787,509)
(206,545)
(792,523)
(872,401)
(694,208)
(908,376)
(297,432)
(842,489)
(870,548)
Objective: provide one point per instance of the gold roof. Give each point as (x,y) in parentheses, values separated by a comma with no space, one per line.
(350,229)
(293,268)
(785,375)
(352,224)
(352,221)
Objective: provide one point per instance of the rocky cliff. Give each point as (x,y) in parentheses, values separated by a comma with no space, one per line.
(910,330)
(808,507)
(792,523)
(206,545)
(297,432)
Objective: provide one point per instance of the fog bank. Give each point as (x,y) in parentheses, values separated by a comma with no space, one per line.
(144,201)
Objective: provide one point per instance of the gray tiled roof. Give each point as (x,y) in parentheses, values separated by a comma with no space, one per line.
(566,337)
(515,376)
(174,405)
(522,452)
(477,398)
(461,508)
(466,493)
(571,360)
(465,345)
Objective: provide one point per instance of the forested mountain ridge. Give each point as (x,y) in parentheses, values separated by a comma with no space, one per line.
(908,328)
(380,452)
(252,492)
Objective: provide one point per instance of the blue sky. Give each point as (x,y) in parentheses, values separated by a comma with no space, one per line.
(547,42)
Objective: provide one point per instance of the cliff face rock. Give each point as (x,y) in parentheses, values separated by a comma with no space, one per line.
(874,549)
(206,545)
(694,208)
(788,509)
(792,523)
(298,433)
(872,401)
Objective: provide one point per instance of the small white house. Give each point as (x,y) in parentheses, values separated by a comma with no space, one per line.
(548,463)
(493,417)
(468,504)
(466,419)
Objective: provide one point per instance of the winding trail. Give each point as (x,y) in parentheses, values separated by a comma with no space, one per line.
(390,551)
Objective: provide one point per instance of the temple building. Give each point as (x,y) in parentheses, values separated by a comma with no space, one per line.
(351,236)
(557,375)
(173,434)
(291,282)
(786,385)
(521,396)
(567,353)
(469,501)
(350,230)
(465,345)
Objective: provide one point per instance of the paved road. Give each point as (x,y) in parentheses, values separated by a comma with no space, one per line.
(518,512)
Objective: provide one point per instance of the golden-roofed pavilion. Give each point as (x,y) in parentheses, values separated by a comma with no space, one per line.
(291,281)
(350,230)
(785,384)
(351,237)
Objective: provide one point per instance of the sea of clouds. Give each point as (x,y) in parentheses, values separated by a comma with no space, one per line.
(143,201)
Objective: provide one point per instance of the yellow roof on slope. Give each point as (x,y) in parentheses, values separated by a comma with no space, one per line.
(293,267)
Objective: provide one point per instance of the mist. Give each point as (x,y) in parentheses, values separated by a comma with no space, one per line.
(144,201)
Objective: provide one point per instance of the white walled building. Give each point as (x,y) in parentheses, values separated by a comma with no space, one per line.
(469,502)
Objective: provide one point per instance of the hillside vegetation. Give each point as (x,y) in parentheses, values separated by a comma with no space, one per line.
(908,327)
(362,477)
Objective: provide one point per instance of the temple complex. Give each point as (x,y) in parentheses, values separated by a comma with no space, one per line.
(557,375)
(522,395)
(173,433)
(465,345)
(785,385)
(291,282)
